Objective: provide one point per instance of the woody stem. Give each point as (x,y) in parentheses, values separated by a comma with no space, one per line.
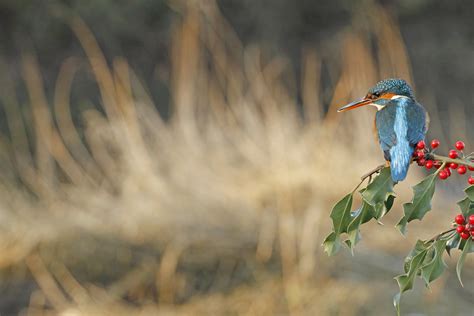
(459,161)
(367,175)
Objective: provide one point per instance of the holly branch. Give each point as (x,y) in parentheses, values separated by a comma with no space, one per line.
(377,198)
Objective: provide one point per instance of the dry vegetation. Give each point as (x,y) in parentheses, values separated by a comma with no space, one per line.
(219,210)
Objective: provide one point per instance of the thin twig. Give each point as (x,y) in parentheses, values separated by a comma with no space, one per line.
(368,175)
(465,162)
(436,237)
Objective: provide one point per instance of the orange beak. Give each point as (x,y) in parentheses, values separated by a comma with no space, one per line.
(355,104)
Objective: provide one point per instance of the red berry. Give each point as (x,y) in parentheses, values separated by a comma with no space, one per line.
(459,145)
(421,145)
(453,165)
(420,154)
(462,169)
(437,164)
(434,143)
(448,171)
(464,235)
(429,164)
(471,220)
(459,219)
(421,162)
(470,180)
(472,233)
(443,175)
(460,229)
(470,168)
(453,154)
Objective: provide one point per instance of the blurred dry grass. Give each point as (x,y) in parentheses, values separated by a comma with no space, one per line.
(219,210)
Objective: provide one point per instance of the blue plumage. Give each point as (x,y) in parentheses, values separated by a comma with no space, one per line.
(401,122)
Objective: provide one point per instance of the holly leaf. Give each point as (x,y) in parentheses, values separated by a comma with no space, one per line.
(396,302)
(341,214)
(462,258)
(353,238)
(466,206)
(463,244)
(452,243)
(389,203)
(379,193)
(426,260)
(380,189)
(341,217)
(434,267)
(412,265)
(420,204)
(470,192)
(332,244)
(377,198)
(419,247)
(362,215)
(380,211)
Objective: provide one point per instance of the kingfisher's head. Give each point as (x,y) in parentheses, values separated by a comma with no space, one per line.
(380,94)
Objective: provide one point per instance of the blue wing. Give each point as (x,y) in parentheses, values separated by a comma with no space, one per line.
(418,123)
(401,124)
(385,123)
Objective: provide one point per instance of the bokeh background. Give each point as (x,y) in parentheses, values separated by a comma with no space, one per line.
(182,157)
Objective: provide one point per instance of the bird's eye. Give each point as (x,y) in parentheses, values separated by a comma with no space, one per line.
(376,95)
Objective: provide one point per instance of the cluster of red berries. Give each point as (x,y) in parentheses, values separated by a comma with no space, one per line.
(465,228)
(423,157)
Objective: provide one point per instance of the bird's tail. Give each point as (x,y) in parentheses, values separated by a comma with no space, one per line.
(400,157)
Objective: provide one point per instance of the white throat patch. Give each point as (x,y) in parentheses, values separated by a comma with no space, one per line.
(397,96)
(378,106)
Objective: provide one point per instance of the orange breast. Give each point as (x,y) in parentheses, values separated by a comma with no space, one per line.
(375,131)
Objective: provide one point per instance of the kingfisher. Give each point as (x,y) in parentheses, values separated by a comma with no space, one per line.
(400,122)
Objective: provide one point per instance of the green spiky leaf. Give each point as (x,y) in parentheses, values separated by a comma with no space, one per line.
(341,214)
(462,245)
(341,217)
(421,202)
(379,193)
(453,243)
(332,244)
(467,207)
(396,302)
(389,202)
(380,189)
(434,267)
(364,214)
(412,265)
(470,192)
(377,200)
(459,265)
